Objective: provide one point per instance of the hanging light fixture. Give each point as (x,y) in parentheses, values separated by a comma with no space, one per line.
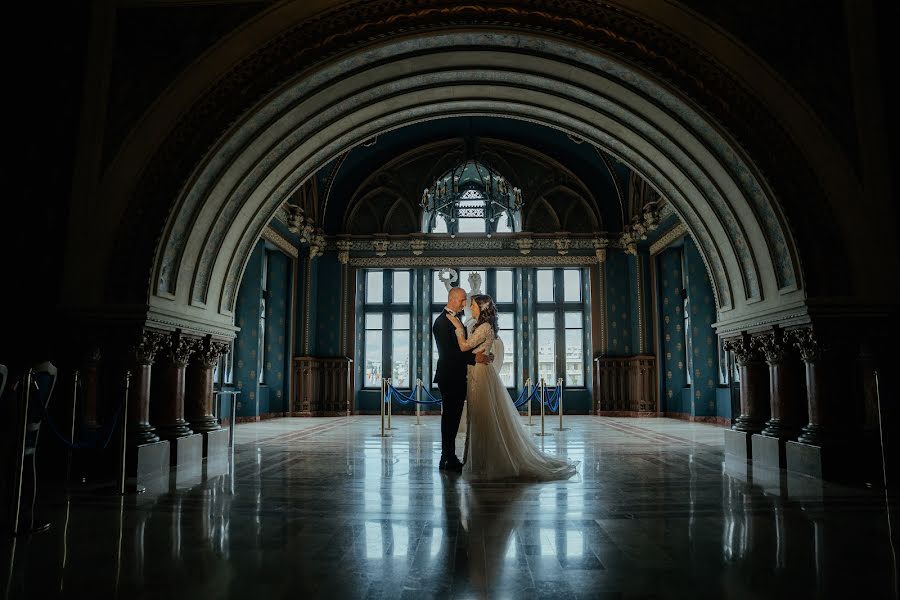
(472,190)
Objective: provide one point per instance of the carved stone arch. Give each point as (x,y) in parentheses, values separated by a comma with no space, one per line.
(541,218)
(208,166)
(574,189)
(579,217)
(401,218)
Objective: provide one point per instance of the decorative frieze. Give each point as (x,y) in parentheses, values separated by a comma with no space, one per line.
(466,261)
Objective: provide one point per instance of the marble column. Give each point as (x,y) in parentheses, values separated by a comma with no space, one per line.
(143,353)
(785,386)
(167,392)
(812,353)
(199,394)
(754,385)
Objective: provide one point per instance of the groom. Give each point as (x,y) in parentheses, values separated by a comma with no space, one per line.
(451,376)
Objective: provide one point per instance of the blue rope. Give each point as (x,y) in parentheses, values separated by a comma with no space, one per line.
(84,445)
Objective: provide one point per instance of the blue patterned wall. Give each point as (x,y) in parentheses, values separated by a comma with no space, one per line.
(277,324)
(246,344)
(328,301)
(272,396)
(703,338)
(672,345)
(619,292)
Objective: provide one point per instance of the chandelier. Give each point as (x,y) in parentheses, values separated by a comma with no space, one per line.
(472,190)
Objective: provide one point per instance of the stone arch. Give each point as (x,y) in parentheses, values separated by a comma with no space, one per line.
(329,83)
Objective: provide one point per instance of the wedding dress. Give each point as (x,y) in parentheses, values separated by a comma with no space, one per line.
(500,448)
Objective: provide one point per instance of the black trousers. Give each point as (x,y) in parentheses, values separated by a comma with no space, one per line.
(453,396)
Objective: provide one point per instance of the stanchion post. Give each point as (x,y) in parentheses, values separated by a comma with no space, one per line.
(72,428)
(528,390)
(123,441)
(559,387)
(390,403)
(20,453)
(418,400)
(543,389)
(381,401)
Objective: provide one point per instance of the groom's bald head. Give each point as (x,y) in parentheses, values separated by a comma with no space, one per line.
(456,299)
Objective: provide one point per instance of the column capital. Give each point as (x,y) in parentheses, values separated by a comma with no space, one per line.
(745,351)
(178,348)
(774,346)
(207,351)
(810,347)
(148,344)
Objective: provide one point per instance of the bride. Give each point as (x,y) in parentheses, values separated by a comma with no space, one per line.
(500,448)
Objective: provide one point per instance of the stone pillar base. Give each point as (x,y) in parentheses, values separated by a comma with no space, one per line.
(738,445)
(148,462)
(187,451)
(768,452)
(215,445)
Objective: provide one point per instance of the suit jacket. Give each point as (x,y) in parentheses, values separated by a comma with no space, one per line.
(452,362)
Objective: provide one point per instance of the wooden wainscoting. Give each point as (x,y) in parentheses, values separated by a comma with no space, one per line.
(626,386)
(324,386)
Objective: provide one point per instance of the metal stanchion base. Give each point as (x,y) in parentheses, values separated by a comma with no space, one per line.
(386,435)
(561,429)
(543,434)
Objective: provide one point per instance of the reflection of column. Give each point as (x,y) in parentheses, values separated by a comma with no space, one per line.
(167,403)
(812,353)
(143,354)
(785,386)
(199,393)
(754,384)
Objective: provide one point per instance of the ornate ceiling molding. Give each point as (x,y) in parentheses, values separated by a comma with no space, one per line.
(677,232)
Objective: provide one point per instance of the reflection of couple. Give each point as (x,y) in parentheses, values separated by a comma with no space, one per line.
(500,448)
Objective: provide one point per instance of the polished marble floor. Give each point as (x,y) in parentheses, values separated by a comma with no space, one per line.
(325,508)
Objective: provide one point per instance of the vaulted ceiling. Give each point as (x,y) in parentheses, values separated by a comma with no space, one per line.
(602,176)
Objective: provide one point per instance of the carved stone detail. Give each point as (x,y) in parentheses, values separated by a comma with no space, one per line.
(524,245)
(811,349)
(773,346)
(562,245)
(145,350)
(380,246)
(178,348)
(745,352)
(207,351)
(417,246)
(344,247)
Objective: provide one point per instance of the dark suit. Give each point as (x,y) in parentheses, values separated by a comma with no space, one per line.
(451,376)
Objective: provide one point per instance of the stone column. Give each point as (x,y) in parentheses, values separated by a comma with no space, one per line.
(812,352)
(199,397)
(785,386)
(167,399)
(754,384)
(143,353)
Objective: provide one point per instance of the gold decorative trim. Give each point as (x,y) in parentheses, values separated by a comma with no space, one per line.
(307,292)
(468,261)
(281,242)
(604,318)
(678,231)
(639,275)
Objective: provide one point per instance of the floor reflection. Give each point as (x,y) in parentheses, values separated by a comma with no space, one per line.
(324,508)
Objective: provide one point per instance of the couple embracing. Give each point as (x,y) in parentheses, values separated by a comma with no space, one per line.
(500,448)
